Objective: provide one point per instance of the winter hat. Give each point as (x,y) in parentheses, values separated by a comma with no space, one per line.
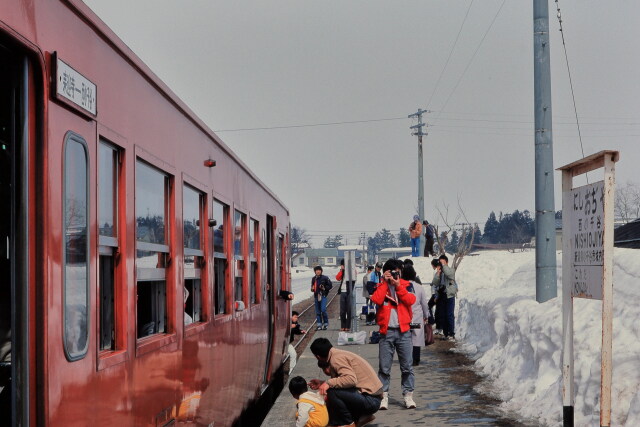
(416,218)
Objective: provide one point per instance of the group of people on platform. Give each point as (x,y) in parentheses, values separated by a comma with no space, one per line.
(402,308)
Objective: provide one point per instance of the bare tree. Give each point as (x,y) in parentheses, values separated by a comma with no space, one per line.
(467,234)
(627,203)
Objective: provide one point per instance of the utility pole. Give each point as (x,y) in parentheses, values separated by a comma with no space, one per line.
(546,286)
(419,133)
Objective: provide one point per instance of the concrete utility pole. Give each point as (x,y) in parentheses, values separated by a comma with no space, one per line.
(546,286)
(419,133)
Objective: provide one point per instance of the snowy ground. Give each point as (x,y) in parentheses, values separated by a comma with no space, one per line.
(517,343)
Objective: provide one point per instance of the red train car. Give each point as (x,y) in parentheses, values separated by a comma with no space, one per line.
(140,258)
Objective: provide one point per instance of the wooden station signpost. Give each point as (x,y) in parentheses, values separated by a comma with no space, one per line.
(587,266)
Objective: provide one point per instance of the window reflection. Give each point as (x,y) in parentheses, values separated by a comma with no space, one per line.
(76,248)
(191,218)
(150,204)
(107,198)
(218,232)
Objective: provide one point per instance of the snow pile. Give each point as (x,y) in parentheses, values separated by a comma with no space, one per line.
(517,343)
(301,281)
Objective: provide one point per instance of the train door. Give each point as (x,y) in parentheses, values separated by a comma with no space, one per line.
(271,290)
(14,293)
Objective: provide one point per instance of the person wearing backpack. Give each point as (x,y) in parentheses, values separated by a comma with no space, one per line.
(415,230)
(429,235)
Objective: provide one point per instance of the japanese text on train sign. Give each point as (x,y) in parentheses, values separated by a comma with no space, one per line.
(587,240)
(76,88)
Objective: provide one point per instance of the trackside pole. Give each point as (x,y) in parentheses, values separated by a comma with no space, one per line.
(567,308)
(349,266)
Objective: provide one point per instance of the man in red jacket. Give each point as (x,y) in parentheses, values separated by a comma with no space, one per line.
(394,315)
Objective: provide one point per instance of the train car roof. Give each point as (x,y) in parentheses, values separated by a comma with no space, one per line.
(110,37)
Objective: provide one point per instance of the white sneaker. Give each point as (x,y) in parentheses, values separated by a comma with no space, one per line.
(438,332)
(408,400)
(384,404)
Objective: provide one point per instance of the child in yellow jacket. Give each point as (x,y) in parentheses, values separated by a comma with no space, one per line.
(312,411)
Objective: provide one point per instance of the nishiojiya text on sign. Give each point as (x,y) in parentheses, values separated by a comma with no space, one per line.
(587,240)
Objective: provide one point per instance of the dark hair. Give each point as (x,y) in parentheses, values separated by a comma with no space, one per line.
(407,261)
(342,261)
(320,347)
(444,257)
(317,267)
(295,313)
(392,264)
(435,262)
(379,264)
(408,273)
(370,267)
(297,386)
(323,364)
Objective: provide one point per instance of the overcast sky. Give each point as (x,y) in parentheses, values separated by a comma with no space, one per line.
(266,64)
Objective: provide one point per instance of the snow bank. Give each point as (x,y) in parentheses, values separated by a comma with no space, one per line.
(517,343)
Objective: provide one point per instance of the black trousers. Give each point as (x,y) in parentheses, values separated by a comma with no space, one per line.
(346,405)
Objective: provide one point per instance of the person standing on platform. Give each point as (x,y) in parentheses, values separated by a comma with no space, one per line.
(353,392)
(439,303)
(448,283)
(374,279)
(320,286)
(415,231)
(345,295)
(419,309)
(394,303)
(429,235)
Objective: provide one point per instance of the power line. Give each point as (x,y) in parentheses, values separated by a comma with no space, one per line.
(573,97)
(455,43)
(472,57)
(312,125)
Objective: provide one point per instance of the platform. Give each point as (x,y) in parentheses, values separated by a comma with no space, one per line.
(441,399)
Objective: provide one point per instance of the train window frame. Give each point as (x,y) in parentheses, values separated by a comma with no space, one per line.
(197,274)
(254,260)
(164,273)
(220,259)
(72,137)
(108,251)
(239,256)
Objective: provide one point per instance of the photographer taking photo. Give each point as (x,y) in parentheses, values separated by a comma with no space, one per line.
(394,315)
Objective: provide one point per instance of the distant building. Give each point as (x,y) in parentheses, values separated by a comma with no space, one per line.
(325,257)
(388,253)
(356,249)
(628,235)
(299,260)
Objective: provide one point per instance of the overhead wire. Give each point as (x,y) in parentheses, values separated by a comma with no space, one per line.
(455,43)
(573,97)
(472,58)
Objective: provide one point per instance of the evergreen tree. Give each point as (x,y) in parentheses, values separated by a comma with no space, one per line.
(333,242)
(404,238)
(491,229)
(452,245)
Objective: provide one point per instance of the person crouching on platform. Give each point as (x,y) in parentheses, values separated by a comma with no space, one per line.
(393,316)
(353,392)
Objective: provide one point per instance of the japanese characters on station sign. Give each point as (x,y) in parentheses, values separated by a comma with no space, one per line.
(74,87)
(587,240)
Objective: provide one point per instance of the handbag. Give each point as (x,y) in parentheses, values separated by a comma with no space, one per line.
(428,334)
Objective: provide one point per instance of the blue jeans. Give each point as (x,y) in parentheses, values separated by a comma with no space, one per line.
(449,328)
(346,405)
(321,311)
(401,342)
(415,246)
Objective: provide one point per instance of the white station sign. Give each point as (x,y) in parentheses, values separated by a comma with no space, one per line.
(587,240)
(74,87)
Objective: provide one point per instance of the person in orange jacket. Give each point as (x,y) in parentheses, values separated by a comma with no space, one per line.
(415,231)
(394,316)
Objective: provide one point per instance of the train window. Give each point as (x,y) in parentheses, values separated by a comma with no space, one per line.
(152,249)
(254,230)
(220,212)
(193,208)
(107,241)
(76,247)
(280,262)
(265,269)
(239,226)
